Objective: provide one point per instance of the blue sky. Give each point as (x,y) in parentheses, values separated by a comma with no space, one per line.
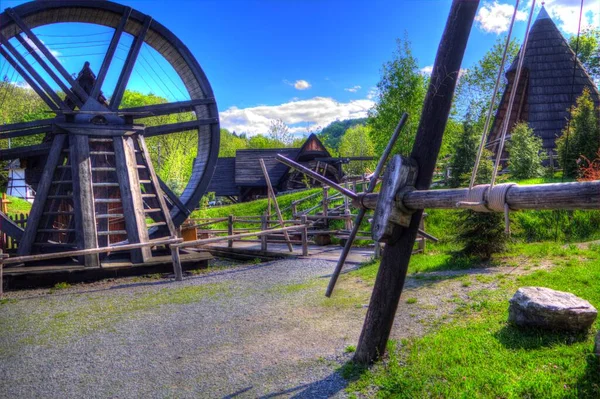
(306,62)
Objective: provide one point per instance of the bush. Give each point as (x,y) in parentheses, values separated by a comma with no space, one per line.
(589,170)
(581,137)
(482,234)
(525,154)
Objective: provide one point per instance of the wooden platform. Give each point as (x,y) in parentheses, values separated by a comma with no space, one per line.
(49,273)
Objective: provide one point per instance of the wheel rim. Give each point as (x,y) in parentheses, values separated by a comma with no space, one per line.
(162,40)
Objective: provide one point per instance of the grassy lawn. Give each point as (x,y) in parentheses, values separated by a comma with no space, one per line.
(479,355)
(17,205)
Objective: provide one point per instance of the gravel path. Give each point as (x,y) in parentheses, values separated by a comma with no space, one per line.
(252,331)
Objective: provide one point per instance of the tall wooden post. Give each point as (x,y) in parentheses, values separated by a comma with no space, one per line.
(230,230)
(304,235)
(394,264)
(264,225)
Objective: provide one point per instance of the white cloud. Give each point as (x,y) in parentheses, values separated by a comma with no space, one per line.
(353,89)
(33,45)
(496,17)
(427,70)
(299,84)
(299,115)
(565,13)
(372,93)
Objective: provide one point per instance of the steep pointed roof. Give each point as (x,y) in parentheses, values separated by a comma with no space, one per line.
(552,80)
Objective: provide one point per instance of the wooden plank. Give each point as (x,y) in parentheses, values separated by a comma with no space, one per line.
(170,108)
(49,71)
(30,81)
(173,197)
(84,252)
(26,243)
(110,52)
(436,108)
(136,46)
(272,194)
(178,127)
(204,241)
(86,235)
(133,206)
(25,152)
(48,54)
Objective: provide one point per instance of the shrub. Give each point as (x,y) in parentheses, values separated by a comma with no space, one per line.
(525,154)
(589,170)
(581,137)
(482,234)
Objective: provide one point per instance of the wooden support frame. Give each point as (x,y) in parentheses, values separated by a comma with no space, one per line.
(131,197)
(134,51)
(43,188)
(394,264)
(272,194)
(86,234)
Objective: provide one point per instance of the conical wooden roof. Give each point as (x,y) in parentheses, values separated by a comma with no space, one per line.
(551,81)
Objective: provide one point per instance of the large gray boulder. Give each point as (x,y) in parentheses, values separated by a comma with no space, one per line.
(550,309)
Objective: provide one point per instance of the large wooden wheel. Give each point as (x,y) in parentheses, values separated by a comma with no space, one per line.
(87,124)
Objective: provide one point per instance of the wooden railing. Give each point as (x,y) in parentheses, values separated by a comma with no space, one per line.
(7,243)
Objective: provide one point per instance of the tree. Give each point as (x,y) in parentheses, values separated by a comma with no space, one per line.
(525,153)
(581,136)
(230,143)
(402,88)
(332,134)
(279,131)
(476,85)
(356,142)
(464,154)
(588,51)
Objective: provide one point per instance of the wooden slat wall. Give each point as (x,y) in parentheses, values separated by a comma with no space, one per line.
(223,181)
(247,166)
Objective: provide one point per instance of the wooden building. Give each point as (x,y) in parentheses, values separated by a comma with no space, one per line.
(552,79)
(241,177)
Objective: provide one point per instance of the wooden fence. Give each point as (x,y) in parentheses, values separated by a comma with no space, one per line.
(8,244)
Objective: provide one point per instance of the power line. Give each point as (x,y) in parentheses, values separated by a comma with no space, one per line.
(159,79)
(168,76)
(82,35)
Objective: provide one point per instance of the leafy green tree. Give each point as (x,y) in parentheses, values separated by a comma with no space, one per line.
(581,137)
(588,51)
(402,88)
(260,141)
(230,143)
(464,154)
(476,85)
(525,152)
(356,142)
(332,134)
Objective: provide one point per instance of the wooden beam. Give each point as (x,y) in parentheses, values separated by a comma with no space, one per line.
(30,81)
(86,235)
(436,108)
(178,127)
(48,54)
(131,197)
(173,197)
(272,194)
(157,187)
(35,215)
(49,71)
(134,51)
(112,47)
(169,108)
(26,132)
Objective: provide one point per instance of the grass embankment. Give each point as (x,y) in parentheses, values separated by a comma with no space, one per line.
(17,206)
(479,354)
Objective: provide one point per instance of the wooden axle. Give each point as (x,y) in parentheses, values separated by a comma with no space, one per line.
(566,196)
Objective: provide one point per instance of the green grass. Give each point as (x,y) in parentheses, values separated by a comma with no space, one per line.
(481,356)
(411,301)
(17,206)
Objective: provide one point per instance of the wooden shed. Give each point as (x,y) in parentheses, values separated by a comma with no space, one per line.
(551,81)
(241,177)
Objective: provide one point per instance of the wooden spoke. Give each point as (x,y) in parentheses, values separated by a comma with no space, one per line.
(26,125)
(30,80)
(48,54)
(169,108)
(178,127)
(49,70)
(24,152)
(173,198)
(110,54)
(136,46)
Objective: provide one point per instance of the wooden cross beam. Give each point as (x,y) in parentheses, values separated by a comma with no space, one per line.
(394,263)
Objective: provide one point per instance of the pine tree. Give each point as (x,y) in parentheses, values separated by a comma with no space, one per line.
(524,152)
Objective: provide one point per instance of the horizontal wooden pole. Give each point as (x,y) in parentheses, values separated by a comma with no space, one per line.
(236,236)
(83,252)
(566,196)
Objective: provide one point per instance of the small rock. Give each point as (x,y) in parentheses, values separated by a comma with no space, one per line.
(549,309)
